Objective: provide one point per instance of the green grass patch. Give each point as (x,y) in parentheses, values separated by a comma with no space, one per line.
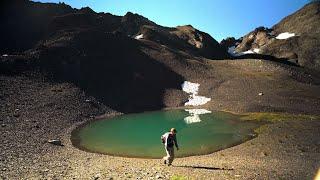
(276,117)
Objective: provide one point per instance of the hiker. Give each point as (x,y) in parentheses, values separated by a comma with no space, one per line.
(169,140)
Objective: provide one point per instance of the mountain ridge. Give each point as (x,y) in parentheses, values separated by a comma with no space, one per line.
(301,49)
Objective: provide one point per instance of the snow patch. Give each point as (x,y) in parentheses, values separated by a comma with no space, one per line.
(194,99)
(190,87)
(285,35)
(247,52)
(139,36)
(256,50)
(194,115)
(232,51)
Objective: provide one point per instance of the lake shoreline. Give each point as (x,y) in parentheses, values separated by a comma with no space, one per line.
(245,129)
(284,149)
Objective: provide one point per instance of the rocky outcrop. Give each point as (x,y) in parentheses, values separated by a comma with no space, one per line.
(296,38)
(255,39)
(229,42)
(305,45)
(184,38)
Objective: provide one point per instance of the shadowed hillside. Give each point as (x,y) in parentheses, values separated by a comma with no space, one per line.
(61,68)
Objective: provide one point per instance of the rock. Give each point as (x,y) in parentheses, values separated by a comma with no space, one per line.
(263,154)
(3,125)
(16,114)
(158,176)
(55,142)
(97,176)
(260,94)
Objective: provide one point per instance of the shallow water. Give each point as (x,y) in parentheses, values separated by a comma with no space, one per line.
(138,135)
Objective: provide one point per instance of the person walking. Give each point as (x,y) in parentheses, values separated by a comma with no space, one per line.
(169,139)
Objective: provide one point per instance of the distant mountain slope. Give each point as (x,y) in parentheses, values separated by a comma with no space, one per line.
(26,23)
(302,48)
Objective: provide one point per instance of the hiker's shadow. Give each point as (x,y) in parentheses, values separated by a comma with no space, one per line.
(204,167)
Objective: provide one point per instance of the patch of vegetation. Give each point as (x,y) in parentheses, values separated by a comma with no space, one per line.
(276,117)
(178,177)
(260,129)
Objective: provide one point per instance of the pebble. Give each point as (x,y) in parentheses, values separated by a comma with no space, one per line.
(158,176)
(263,154)
(97,176)
(3,125)
(55,142)
(260,94)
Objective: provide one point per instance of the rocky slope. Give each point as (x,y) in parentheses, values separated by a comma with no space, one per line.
(302,48)
(26,23)
(65,67)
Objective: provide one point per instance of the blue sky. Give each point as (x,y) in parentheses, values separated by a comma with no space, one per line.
(219,18)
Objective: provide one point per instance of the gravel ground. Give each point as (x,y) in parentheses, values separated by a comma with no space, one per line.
(34,110)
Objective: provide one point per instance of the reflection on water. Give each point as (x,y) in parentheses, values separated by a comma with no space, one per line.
(138,135)
(194,115)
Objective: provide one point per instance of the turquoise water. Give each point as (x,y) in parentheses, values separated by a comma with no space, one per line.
(138,135)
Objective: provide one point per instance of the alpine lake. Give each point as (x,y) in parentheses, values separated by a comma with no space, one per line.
(199,132)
